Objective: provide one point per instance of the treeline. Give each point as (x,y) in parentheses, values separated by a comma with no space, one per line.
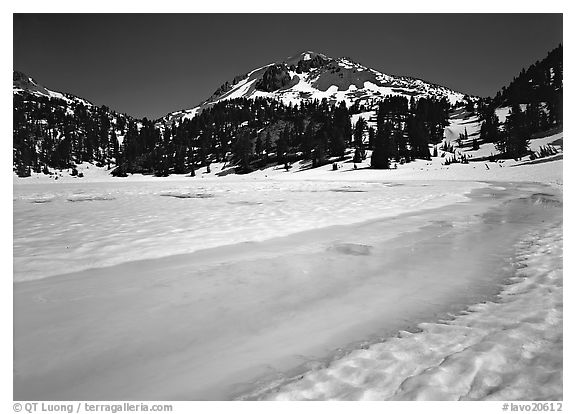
(244,133)
(512,137)
(248,134)
(52,132)
(535,101)
(406,128)
(251,133)
(542,82)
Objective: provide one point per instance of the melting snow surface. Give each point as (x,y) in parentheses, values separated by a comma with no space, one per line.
(289,301)
(506,349)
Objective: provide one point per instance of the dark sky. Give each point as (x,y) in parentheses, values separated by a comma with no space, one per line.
(152,64)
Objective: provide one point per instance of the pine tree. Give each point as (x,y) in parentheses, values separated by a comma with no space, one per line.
(131,142)
(371,136)
(258,146)
(319,147)
(191,162)
(340,130)
(282,146)
(489,130)
(357,156)
(114,146)
(359,133)
(337,142)
(307,143)
(532,115)
(418,137)
(267,145)
(242,150)
(381,154)
(514,142)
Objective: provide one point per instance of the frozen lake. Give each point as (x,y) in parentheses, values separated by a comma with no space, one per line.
(61,228)
(216,291)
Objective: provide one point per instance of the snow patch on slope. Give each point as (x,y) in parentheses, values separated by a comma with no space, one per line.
(348,71)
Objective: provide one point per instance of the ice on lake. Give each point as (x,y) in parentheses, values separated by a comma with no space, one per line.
(239,289)
(71,227)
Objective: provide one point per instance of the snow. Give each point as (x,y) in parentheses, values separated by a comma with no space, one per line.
(306,284)
(240,90)
(51,94)
(462,122)
(552,140)
(502,113)
(99,218)
(381,90)
(191,113)
(57,95)
(69,227)
(549,172)
(345,63)
(369,117)
(506,349)
(461,125)
(304,89)
(246,316)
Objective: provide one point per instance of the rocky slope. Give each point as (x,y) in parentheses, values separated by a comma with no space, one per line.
(309,75)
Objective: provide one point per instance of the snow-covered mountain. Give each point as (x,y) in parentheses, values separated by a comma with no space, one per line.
(22,83)
(55,130)
(309,75)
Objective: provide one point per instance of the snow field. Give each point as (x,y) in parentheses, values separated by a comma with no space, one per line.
(69,227)
(324,285)
(506,349)
(247,314)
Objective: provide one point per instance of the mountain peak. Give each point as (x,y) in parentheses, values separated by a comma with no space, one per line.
(310,75)
(304,56)
(22,83)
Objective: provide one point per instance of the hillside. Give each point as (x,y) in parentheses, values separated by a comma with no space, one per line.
(54,130)
(279,113)
(23,84)
(541,82)
(529,108)
(308,110)
(309,75)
